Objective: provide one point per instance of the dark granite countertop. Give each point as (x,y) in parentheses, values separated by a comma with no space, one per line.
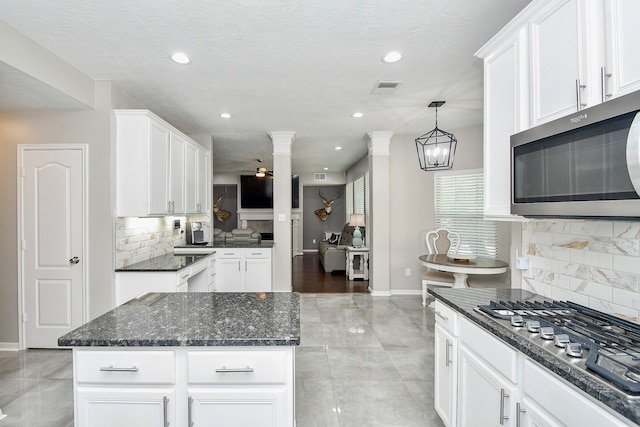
(268,244)
(169,262)
(195,319)
(465,300)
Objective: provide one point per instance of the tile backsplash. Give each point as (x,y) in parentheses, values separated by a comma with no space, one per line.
(593,263)
(139,239)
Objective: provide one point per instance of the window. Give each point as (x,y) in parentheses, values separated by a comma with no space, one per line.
(459,201)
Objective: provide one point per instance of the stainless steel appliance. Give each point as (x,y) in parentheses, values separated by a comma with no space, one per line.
(584,165)
(198,232)
(602,345)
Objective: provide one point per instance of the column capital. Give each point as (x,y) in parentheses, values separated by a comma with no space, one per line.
(282,141)
(379,142)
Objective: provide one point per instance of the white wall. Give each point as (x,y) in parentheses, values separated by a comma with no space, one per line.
(412,197)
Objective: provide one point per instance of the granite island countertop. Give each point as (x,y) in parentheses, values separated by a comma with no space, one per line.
(465,300)
(195,319)
(168,262)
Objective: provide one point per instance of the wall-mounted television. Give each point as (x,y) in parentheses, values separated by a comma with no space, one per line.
(257,193)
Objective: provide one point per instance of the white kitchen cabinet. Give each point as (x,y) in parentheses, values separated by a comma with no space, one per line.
(621,72)
(559,65)
(446,363)
(191,178)
(203,198)
(212,273)
(193,278)
(152,169)
(177,386)
(559,404)
(446,376)
(487,379)
(243,270)
(505,113)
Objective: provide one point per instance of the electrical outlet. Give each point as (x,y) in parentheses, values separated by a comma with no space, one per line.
(407,272)
(314,240)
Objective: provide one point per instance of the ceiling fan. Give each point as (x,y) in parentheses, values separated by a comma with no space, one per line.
(260,171)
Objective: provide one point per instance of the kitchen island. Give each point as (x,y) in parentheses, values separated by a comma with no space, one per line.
(173,359)
(485,369)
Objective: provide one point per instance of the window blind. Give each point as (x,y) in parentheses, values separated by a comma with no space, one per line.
(358,195)
(459,201)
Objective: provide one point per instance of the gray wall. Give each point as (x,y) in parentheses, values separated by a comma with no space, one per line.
(411,199)
(312,225)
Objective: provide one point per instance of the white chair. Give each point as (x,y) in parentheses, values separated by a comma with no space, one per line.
(440,241)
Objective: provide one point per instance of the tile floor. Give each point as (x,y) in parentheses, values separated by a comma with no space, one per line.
(362,361)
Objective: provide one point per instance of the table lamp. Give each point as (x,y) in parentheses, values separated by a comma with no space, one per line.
(357,221)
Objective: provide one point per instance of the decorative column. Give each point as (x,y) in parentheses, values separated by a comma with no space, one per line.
(379,236)
(282,142)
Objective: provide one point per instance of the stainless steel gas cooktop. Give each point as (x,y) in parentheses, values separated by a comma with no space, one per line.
(602,344)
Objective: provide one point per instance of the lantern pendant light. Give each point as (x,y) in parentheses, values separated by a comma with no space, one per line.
(436,148)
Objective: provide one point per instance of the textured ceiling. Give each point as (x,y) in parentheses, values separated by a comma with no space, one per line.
(275,65)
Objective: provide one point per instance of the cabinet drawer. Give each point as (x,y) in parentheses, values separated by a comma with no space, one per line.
(257,253)
(564,402)
(447,318)
(255,367)
(122,367)
(229,253)
(497,354)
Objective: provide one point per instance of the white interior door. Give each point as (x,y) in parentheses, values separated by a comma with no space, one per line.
(52,234)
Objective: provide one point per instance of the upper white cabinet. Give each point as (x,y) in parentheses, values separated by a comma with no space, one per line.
(159,170)
(554,58)
(621,72)
(559,69)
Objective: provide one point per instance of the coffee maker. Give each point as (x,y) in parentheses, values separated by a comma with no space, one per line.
(198,232)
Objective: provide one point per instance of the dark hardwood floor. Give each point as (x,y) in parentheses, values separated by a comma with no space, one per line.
(308,276)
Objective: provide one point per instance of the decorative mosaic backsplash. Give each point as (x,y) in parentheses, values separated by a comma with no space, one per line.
(140,239)
(593,263)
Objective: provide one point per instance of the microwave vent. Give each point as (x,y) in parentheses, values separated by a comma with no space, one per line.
(320,176)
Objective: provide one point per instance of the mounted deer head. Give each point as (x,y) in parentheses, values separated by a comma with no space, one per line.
(323,213)
(220,213)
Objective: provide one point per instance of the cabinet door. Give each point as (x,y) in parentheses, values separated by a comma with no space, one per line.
(177,173)
(623,58)
(484,397)
(203,204)
(159,152)
(557,56)
(107,407)
(229,275)
(257,275)
(239,407)
(503,116)
(446,363)
(191,178)
(533,416)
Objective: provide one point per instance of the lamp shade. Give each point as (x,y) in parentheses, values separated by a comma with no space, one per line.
(357,220)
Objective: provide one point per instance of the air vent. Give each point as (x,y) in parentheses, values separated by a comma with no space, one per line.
(319,176)
(385,87)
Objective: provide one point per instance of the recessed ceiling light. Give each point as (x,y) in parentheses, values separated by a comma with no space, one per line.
(180,58)
(225,115)
(338,148)
(357,115)
(391,57)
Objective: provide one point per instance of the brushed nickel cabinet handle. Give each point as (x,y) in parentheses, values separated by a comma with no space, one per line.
(519,411)
(603,83)
(111,368)
(165,406)
(503,417)
(447,356)
(579,87)
(437,313)
(189,416)
(225,370)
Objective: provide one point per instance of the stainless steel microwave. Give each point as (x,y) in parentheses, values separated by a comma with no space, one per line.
(586,165)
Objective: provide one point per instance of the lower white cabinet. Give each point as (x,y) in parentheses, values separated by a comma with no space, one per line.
(484,397)
(195,387)
(243,270)
(446,364)
(194,278)
(122,407)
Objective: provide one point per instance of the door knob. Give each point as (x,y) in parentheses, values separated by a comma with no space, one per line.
(74,260)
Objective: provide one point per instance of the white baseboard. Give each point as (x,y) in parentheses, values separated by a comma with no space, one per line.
(406,292)
(379,293)
(310,251)
(9,346)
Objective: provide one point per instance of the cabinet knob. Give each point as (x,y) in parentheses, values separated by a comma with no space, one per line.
(74,260)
